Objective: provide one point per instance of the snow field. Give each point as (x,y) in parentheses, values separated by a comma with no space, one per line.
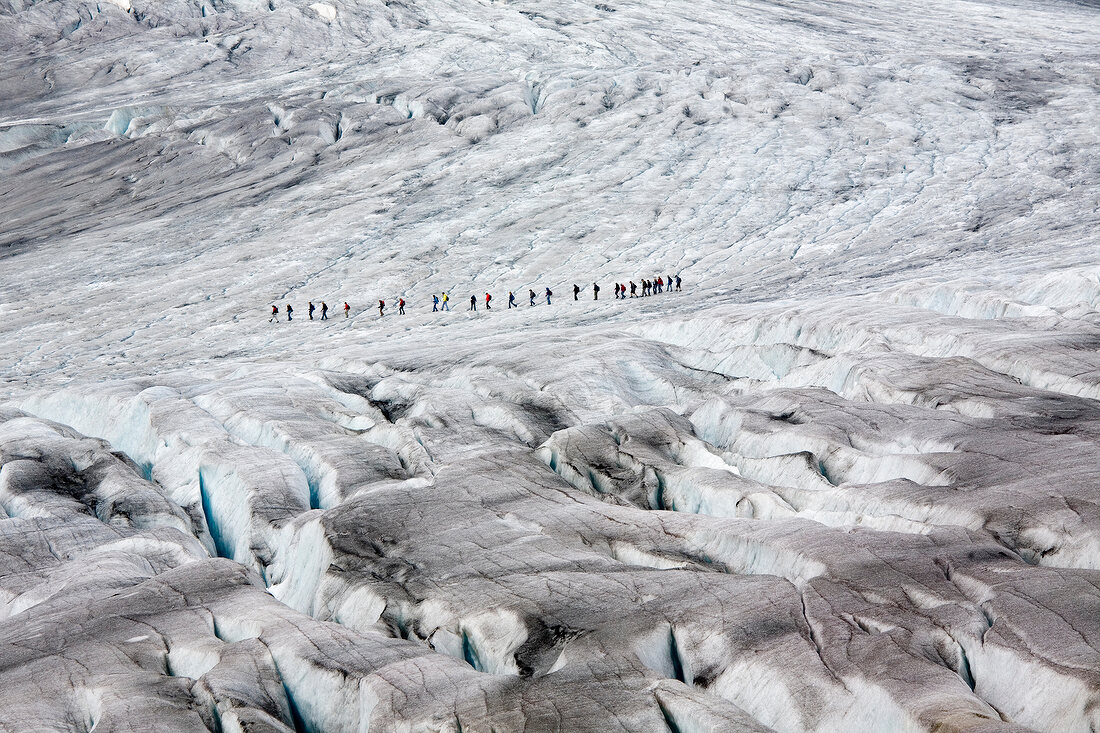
(846,480)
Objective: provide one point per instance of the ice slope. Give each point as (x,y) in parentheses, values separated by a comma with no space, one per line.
(849,479)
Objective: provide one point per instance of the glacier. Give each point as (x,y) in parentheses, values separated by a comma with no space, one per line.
(847,479)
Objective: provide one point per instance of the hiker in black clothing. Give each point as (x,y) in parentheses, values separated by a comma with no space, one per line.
(633,289)
(289,310)
(324,311)
(576,291)
(532,292)
(616,291)
(548,294)
(311,310)
(678,283)
(595,291)
(381,308)
(274,314)
(511,299)
(473,303)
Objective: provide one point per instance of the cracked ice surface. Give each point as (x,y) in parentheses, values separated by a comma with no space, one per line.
(848,480)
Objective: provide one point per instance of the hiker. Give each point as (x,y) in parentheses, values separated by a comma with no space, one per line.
(446,302)
(532,292)
(622,290)
(435,303)
(576,291)
(289,310)
(381,308)
(678,281)
(487,299)
(400,306)
(595,291)
(633,289)
(548,294)
(473,303)
(616,291)
(512,300)
(324,311)
(311,310)
(347,308)
(274,314)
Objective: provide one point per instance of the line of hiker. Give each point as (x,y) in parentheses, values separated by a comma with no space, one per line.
(442,302)
(312,308)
